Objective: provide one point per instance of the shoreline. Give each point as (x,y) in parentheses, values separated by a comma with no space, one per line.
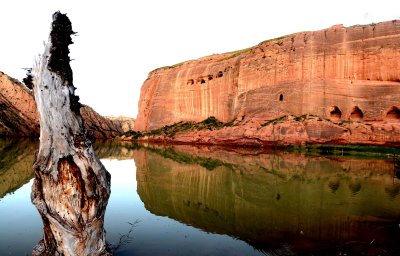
(282,133)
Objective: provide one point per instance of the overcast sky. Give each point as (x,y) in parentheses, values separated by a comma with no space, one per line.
(120,42)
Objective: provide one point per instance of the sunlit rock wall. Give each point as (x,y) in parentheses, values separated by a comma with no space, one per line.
(343,73)
(18,113)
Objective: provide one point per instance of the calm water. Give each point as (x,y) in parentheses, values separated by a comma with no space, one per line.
(205,201)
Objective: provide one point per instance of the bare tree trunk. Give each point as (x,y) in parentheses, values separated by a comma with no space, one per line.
(71,186)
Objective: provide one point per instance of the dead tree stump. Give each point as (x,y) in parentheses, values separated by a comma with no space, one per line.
(71,186)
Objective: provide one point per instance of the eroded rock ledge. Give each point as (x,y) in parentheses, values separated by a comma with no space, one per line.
(280,132)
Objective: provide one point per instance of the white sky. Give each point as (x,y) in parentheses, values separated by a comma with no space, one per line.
(120,42)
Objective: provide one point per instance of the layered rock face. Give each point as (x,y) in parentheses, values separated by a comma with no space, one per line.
(103,127)
(338,73)
(19,117)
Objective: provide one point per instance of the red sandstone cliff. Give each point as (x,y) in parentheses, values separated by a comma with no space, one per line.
(337,73)
(19,117)
(103,127)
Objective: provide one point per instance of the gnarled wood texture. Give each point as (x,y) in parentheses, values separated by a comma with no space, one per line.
(71,187)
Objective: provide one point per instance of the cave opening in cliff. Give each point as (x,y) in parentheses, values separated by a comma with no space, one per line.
(202,81)
(220,74)
(210,77)
(190,82)
(335,113)
(356,114)
(393,113)
(281,97)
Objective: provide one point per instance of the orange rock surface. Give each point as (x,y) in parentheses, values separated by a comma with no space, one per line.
(19,117)
(289,131)
(337,73)
(18,114)
(104,127)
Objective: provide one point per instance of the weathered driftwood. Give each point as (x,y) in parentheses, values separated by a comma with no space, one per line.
(71,186)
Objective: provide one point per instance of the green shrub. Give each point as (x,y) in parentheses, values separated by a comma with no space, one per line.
(275,121)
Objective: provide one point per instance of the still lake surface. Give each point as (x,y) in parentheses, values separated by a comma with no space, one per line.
(186,200)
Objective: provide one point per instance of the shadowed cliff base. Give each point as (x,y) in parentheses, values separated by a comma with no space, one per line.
(283,132)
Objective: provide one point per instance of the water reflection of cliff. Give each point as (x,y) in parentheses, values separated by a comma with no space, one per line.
(269,200)
(114,149)
(16,159)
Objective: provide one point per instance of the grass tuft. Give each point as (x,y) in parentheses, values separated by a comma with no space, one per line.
(236,53)
(169,67)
